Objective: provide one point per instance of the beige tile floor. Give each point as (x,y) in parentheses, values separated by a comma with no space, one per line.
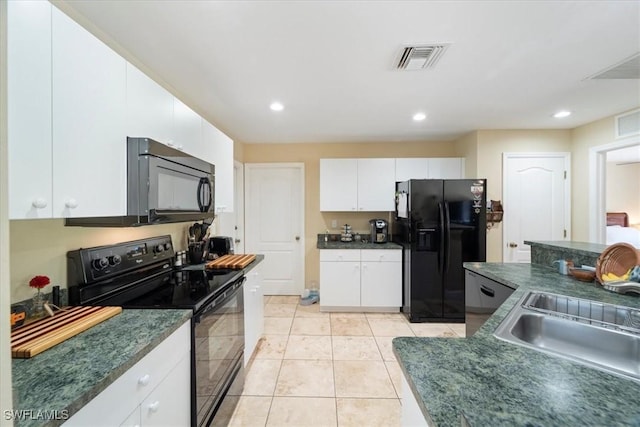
(326,369)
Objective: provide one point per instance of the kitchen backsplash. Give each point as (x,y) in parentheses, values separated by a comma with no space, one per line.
(39,247)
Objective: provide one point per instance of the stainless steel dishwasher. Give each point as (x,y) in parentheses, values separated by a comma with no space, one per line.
(483,296)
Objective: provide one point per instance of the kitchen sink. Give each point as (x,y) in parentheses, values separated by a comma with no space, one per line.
(603,336)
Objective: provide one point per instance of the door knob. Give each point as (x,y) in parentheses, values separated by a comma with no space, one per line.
(297,237)
(513,245)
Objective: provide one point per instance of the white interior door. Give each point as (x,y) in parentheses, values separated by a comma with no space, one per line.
(274,224)
(536,199)
(232,223)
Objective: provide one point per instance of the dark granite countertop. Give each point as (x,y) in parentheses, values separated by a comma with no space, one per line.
(337,244)
(584,247)
(66,377)
(495,383)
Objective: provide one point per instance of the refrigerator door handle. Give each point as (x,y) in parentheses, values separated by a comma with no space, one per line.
(442,238)
(447,228)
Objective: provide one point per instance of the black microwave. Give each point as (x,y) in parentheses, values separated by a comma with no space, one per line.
(164,185)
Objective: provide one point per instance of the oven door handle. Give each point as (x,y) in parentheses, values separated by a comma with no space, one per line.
(222,298)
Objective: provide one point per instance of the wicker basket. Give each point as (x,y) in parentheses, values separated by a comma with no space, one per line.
(617,259)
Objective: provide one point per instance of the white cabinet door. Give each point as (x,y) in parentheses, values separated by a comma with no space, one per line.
(340,284)
(253,312)
(446,168)
(376,185)
(149,107)
(29,109)
(338,184)
(187,130)
(89,141)
(169,404)
(219,151)
(412,168)
(132,420)
(381,281)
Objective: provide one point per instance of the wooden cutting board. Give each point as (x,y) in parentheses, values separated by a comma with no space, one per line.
(235,262)
(43,334)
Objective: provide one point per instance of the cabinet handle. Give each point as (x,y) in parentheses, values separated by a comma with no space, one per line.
(39,203)
(153,407)
(144,380)
(488,292)
(71,203)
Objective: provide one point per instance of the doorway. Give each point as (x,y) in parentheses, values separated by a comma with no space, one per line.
(274,223)
(597,186)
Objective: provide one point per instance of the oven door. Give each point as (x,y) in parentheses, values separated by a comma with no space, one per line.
(218,351)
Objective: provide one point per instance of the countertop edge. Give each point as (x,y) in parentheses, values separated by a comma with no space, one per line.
(25,369)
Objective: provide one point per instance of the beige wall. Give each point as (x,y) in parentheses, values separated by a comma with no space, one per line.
(467,147)
(310,154)
(583,138)
(39,247)
(623,190)
(490,146)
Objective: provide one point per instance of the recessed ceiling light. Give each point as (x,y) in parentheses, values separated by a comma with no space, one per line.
(561,114)
(276,106)
(418,117)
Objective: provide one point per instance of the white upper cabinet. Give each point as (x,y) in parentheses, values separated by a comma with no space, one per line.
(338,184)
(219,151)
(89,138)
(29,109)
(149,107)
(187,130)
(376,185)
(446,168)
(357,185)
(412,168)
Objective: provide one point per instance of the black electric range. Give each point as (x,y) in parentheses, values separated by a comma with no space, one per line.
(141,274)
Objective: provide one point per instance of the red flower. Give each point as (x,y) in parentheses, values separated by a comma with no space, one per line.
(39,282)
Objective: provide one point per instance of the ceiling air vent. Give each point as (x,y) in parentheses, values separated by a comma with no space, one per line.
(420,57)
(627,69)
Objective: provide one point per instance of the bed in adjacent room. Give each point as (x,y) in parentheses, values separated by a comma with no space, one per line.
(618,229)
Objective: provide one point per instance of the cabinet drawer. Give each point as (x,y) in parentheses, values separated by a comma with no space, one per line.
(381,255)
(339,255)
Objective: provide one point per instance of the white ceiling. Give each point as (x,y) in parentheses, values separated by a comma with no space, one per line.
(510,65)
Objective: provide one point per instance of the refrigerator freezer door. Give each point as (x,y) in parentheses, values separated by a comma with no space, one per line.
(425,289)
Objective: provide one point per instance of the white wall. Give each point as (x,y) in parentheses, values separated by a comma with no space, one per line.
(5,295)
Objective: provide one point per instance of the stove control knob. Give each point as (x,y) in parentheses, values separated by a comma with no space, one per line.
(158,249)
(114,259)
(100,263)
(167,246)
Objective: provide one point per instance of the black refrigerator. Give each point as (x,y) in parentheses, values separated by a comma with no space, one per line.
(440,224)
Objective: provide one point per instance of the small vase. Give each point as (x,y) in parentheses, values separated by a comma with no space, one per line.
(38,305)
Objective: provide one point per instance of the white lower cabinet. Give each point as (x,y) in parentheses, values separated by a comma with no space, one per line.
(155,391)
(169,404)
(411,415)
(253,312)
(381,278)
(361,278)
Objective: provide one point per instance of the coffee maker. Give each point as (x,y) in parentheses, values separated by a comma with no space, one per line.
(379,230)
